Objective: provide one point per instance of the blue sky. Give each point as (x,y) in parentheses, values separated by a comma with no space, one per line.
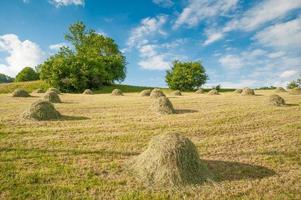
(240,42)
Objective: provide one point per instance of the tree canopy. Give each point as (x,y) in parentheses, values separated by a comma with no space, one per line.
(294,84)
(94,60)
(27,74)
(5,79)
(186,75)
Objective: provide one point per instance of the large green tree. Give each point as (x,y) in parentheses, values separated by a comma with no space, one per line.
(94,61)
(27,74)
(5,79)
(294,84)
(186,75)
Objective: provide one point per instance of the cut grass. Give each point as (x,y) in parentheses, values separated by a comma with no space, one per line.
(253,149)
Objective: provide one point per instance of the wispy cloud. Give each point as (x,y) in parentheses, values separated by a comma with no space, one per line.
(164,3)
(59,3)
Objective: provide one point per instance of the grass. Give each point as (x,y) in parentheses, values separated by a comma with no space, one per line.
(252,148)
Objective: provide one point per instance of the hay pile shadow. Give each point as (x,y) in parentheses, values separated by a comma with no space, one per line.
(156,93)
(184,111)
(117,92)
(162,105)
(88,92)
(247,92)
(145,93)
(52,97)
(276,100)
(42,110)
(20,93)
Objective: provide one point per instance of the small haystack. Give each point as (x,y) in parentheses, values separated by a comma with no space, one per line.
(42,110)
(276,100)
(213,92)
(247,92)
(280,89)
(39,90)
(170,160)
(162,105)
(117,92)
(88,91)
(295,91)
(20,93)
(200,91)
(54,90)
(52,97)
(145,93)
(176,93)
(156,93)
(238,91)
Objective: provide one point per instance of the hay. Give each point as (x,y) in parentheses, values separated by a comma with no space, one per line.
(39,90)
(117,92)
(162,105)
(52,97)
(280,89)
(200,91)
(20,93)
(276,100)
(295,91)
(170,160)
(238,91)
(177,93)
(156,93)
(54,90)
(145,93)
(42,110)
(247,92)
(213,92)
(88,91)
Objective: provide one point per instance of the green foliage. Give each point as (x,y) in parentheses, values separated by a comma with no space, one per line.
(28,86)
(218,87)
(96,61)
(186,76)
(292,85)
(27,74)
(5,79)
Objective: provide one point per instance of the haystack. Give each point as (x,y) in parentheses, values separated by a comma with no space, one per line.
(42,110)
(156,93)
(170,160)
(213,92)
(200,91)
(54,90)
(117,92)
(247,91)
(39,90)
(276,100)
(177,93)
(88,91)
(20,93)
(280,89)
(145,93)
(52,97)
(295,91)
(238,91)
(162,105)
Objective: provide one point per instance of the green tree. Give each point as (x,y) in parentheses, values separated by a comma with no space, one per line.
(5,79)
(94,62)
(186,75)
(27,74)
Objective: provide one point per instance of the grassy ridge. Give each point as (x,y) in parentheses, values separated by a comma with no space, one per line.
(28,86)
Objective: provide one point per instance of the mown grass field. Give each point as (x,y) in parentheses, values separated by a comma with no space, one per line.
(253,149)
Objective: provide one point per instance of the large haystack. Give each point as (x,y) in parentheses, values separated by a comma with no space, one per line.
(117,92)
(276,100)
(88,91)
(52,97)
(156,93)
(170,160)
(176,93)
(295,91)
(162,105)
(213,92)
(247,92)
(238,91)
(42,110)
(145,93)
(20,93)
(280,89)
(200,91)
(54,90)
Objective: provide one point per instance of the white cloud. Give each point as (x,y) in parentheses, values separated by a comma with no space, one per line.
(288,73)
(56,47)
(198,10)
(59,3)
(212,37)
(231,62)
(164,3)
(20,54)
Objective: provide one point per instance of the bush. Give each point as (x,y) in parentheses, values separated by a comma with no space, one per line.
(5,79)
(186,76)
(27,74)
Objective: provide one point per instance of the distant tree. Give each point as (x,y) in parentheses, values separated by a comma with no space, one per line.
(5,79)
(292,85)
(218,87)
(186,75)
(95,61)
(27,74)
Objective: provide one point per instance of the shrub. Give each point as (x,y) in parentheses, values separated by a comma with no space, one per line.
(5,79)
(27,74)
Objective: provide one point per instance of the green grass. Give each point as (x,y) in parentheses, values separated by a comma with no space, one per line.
(29,86)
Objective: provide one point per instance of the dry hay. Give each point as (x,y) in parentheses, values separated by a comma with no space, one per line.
(213,92)
(295,91)
(276,100)
(177,93)
(280,89)
(88,91)
(162,105)
(52,97)
(145,93)
(54,90)
(170,160)
(156,93)
(200,91)
(42,110)
(20,93)
(117,92)
(238,91)
(39,90)
(247,91)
